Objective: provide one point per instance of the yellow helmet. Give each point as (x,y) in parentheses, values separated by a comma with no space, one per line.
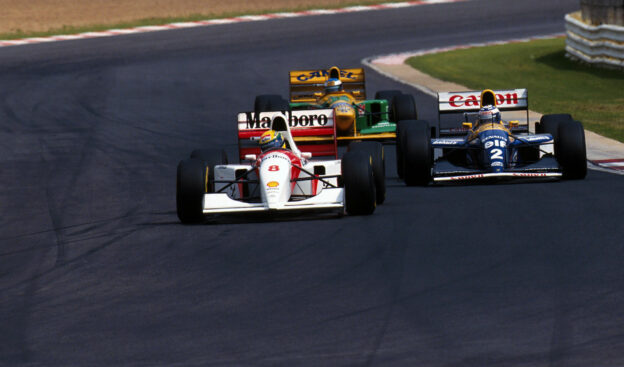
(271,139)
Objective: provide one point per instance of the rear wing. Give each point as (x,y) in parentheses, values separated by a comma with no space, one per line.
(307,85)
(313,131)
(471,101)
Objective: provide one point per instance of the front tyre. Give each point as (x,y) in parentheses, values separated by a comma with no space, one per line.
(376,151)
(190,189)
(418,155)
(211,158)
(359,183)
(570,150)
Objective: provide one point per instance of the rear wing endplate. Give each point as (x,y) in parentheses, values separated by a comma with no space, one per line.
(307,85)
(313,131)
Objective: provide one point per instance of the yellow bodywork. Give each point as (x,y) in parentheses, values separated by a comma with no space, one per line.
(342,104)
(489,126)
(308,85)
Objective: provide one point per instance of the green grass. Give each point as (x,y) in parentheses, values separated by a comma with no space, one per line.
(66,29)
(556,84)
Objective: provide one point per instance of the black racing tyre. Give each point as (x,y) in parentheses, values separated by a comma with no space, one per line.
(570,150)
(399,140)
(404,107)
(190,189)
(389,95)
(376,152)
(418,155)
(270,102)
(549,124)
(211,158)
(359,183)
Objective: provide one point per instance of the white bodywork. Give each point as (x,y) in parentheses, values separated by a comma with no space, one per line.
(269,185)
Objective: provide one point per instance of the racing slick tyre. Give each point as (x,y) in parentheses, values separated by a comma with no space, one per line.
(549,124)
(376,152)
(359,183)
(211,158)
(418,154)
(570,150)
(270,102)
(404,107)
(402,126)
(389,95)
(190,189)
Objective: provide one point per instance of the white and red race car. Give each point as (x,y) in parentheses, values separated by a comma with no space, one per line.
(279,180)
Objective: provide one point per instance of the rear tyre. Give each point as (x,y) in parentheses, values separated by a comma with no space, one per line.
(359,183)
(418,155)
(190,189)
(404,107)
(376,151)
(211,158)
(570,150)
(389,95)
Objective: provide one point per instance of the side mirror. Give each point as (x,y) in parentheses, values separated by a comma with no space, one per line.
(514,123)
(306,155)
(467,125)
(250,157)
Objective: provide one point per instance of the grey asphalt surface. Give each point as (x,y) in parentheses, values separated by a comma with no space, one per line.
(96,270)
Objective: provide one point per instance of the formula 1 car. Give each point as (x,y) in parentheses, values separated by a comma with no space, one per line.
(356,117)
(279,180)
(492,150)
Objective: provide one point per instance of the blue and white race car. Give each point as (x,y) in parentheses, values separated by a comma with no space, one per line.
(489,148)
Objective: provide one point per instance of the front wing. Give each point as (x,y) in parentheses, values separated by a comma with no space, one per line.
(546,168)
(328,199)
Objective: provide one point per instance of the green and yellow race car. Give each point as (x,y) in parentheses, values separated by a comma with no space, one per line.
(344,91)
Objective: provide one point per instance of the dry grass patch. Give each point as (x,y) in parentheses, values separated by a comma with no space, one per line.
(35,16)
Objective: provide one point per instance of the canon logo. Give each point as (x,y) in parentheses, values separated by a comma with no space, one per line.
(458,101)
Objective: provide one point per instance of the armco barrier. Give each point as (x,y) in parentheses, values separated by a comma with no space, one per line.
(599,45)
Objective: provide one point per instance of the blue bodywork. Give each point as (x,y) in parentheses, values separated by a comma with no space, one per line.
(492,149)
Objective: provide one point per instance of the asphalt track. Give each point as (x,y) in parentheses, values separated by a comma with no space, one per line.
(96,270)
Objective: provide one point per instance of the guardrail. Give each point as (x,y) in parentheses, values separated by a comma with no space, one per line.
(599,45)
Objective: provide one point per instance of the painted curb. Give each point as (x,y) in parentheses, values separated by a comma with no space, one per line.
(214,22)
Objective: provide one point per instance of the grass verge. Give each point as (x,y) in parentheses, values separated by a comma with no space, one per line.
(150,21)
(556,84)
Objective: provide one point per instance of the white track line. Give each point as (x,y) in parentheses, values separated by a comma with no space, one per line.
(213,22)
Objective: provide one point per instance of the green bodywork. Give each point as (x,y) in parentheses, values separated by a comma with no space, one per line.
(371,115)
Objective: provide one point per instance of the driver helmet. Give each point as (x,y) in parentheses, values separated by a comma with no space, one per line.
(333,85)
(489,114)
(271,139)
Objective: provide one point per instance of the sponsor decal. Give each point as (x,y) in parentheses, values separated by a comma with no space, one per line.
(467,177)
(494,143)
(497,164)
(447,141)
(274,168)
(458,101)
(491,137)
(324,73)
(519,174)
(343,107)
(295,120)
(275,156)
(273,184)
